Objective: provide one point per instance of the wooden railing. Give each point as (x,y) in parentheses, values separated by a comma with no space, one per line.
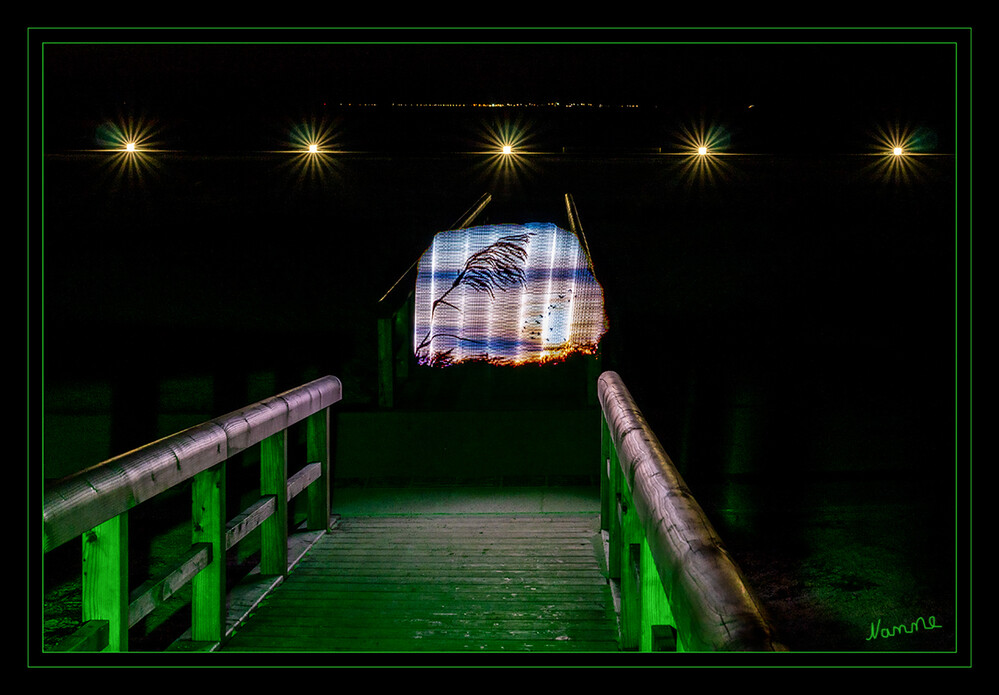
(94,505)
(680,589)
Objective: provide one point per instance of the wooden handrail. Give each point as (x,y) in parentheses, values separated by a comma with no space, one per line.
(85,499)
(708,603)
(94,504)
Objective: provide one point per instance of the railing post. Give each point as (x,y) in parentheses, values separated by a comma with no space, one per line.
(631,539)
(274,481)
(317,429)
(208,587)
(606,495)
(657,621)
(646,621)
(614,500)
(105,579)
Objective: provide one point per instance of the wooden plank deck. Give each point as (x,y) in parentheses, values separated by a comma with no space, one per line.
(443,583)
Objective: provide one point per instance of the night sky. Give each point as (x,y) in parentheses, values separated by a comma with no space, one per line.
(812,92)
(800,92)
(811,95)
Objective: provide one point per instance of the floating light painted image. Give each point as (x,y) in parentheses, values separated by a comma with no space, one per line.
(506,294)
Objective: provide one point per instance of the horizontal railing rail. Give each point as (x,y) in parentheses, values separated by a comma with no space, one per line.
(680,588)
(94,504)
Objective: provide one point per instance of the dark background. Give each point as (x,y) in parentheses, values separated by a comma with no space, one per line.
(798,245)
(823,94)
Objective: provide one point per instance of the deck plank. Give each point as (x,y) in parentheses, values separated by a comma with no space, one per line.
(443,583)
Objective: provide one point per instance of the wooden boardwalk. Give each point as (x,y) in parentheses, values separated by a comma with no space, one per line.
(443,583)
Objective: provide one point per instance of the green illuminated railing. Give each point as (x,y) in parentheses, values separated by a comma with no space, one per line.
(94,504)
(680,589)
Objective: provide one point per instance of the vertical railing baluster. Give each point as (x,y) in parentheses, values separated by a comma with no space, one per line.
(654,605)
(317,437)
(605,474)
(274,481)
(614,492)
(208,587)
(105,578)
(631,537)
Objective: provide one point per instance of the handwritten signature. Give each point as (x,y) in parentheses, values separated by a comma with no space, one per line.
(903,628)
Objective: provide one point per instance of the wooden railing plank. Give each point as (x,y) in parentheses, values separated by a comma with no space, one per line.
(92,636)
(300,481)
(156,592)
(248,520)
(253,516)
